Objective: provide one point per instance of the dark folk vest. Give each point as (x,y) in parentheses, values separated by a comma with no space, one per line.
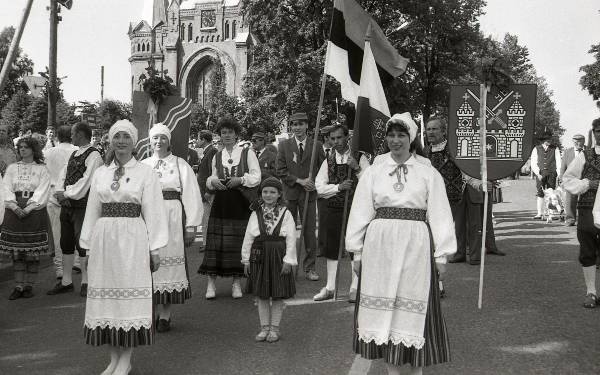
(591,171)
(238,171)
(75,170)
(453,178)
(338,173)
(546,159)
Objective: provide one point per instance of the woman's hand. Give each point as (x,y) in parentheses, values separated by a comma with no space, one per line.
(218,185)
(16,209)
(154,262)
(247,270)
(441,268)
(189,237)
(286,269)
(234,182)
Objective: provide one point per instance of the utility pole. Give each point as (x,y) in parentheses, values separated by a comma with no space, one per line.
(52,89)
(101,83)
(14,46)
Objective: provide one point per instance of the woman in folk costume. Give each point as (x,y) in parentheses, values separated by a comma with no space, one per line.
(268,254)
(124,227)
(25,229)
(235,172)
(400,228)
(183,205)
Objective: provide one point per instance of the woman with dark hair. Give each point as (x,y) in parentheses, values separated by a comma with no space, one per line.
(25,230)
(400,227)
(235,172)
(184,213)
(124,227)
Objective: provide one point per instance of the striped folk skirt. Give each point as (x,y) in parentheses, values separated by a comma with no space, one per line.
(98,336)
(25,238)
(227,223)
(266,262)
(436,349)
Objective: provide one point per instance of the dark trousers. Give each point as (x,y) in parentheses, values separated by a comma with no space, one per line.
(296,207)
(475,218)
(459,214)
(570,206)
(71,221)
(322,235)
(588,236)
(547,181)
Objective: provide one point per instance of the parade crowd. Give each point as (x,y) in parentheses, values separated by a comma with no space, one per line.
(125,224)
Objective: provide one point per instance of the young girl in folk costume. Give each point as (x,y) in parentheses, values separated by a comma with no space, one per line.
(235,172)
(268,254)
(184,213)
(25,230)
(124,227)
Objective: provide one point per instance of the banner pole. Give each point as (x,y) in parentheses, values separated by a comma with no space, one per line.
(483,91)
(342,236)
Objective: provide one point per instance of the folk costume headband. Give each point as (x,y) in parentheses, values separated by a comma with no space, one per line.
(406,119)
(123,126)
(160,128)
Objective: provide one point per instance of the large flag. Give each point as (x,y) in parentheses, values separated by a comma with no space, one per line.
(372,111)
(346,45)
(173,111)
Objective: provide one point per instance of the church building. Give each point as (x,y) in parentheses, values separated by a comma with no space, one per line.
(186,38)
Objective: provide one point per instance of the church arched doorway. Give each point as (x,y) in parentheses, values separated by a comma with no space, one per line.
(198,86)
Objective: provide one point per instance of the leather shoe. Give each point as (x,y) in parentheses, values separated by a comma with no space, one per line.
(163,325)
(323,295)
(16,294)
(537,217)
(83,291)
(495,252)
(474,262)
(590,301)
(458,259)
(27,292)
(59,288)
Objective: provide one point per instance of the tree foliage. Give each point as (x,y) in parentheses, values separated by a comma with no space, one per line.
(13,113)
(591,78)
(110,111)
(22,66)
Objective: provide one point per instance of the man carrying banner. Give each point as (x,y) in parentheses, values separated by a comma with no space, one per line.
(338,174)
(293,168)
(545,164)
(582,178)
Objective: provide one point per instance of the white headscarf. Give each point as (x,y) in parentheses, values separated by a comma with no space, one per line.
(160,128)
(123,126)
(408,121)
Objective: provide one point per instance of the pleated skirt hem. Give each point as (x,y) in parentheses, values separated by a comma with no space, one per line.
(174,297)
(118,337)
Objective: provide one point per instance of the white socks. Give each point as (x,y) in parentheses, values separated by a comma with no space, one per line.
(276,312)
(264,311)
(540,206)
(331,273)
(589,274)
(68,261)
(270,312)
(83,266)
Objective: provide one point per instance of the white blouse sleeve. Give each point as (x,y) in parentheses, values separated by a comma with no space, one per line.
(324,188)
(81,187)
(190,197)
(214,175)
(153,212)
(361,214)
(42,191)
(440,218)
(9,176)
(252,232)
(253,176)
(93,210)
(290,239)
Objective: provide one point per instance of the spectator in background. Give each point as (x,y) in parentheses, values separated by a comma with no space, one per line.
(569,155)
(266,157)
(205,138)
(192,156)
(545,164)
(204,171)
(8,155)
(50,138)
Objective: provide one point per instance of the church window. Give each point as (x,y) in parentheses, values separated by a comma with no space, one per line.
(226,30)
(233,30)
(218,37)
(212,38)
(148,47)
(143,47)
(139,48)
(197,39)
(202,39)
(190,32)
(182,32)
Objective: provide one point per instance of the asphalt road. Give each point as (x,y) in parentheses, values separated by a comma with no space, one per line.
(532,321)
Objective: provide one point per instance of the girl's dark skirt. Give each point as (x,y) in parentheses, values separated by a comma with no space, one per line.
(118,337)
(26,237)
(226,228)
(266,261)
(436,349)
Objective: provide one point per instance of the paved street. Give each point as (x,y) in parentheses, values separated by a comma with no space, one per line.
(532,321)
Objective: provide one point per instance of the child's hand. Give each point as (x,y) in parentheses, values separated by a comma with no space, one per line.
(286,269)
(247,270)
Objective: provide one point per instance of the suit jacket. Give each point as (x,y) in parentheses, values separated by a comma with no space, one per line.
(290,167)
(266,159)
(567,158)
(205,168)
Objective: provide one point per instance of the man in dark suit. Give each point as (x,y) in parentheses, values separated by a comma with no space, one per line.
(292,167)
(204,172)
(266,157)
(568,156)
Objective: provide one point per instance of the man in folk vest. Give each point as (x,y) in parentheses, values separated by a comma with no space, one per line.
(545,165)
(293,167)
(72,195)
(338,174)
(581,178)
(568,156)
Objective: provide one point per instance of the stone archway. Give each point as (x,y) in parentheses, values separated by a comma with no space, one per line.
(197,86)
(195,73)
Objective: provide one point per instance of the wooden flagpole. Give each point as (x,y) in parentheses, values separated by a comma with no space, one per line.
(14,46)
(483,91)
(342,236)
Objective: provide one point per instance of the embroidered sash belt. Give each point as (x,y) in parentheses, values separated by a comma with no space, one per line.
(171,195)
(117,209)
(401,213)
(23,194)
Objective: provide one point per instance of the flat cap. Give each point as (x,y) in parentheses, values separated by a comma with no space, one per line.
(578,136)
(326,129)
(260,135)
(298,116)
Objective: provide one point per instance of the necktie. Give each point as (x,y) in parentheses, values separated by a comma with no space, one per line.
(327,153)
(301,149)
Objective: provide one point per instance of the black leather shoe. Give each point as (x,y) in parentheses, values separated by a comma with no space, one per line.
(474,262)
(496,252)
(163,325)
(16,294)
(60,289)
(27,292)
(458,259)
(83,291)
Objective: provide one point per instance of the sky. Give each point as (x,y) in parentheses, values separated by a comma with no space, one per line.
(93,33)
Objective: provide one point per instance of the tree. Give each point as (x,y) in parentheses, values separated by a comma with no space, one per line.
(220,103)
(591,78)
(110,111)
(36,115)
(14,112)
(21,67)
